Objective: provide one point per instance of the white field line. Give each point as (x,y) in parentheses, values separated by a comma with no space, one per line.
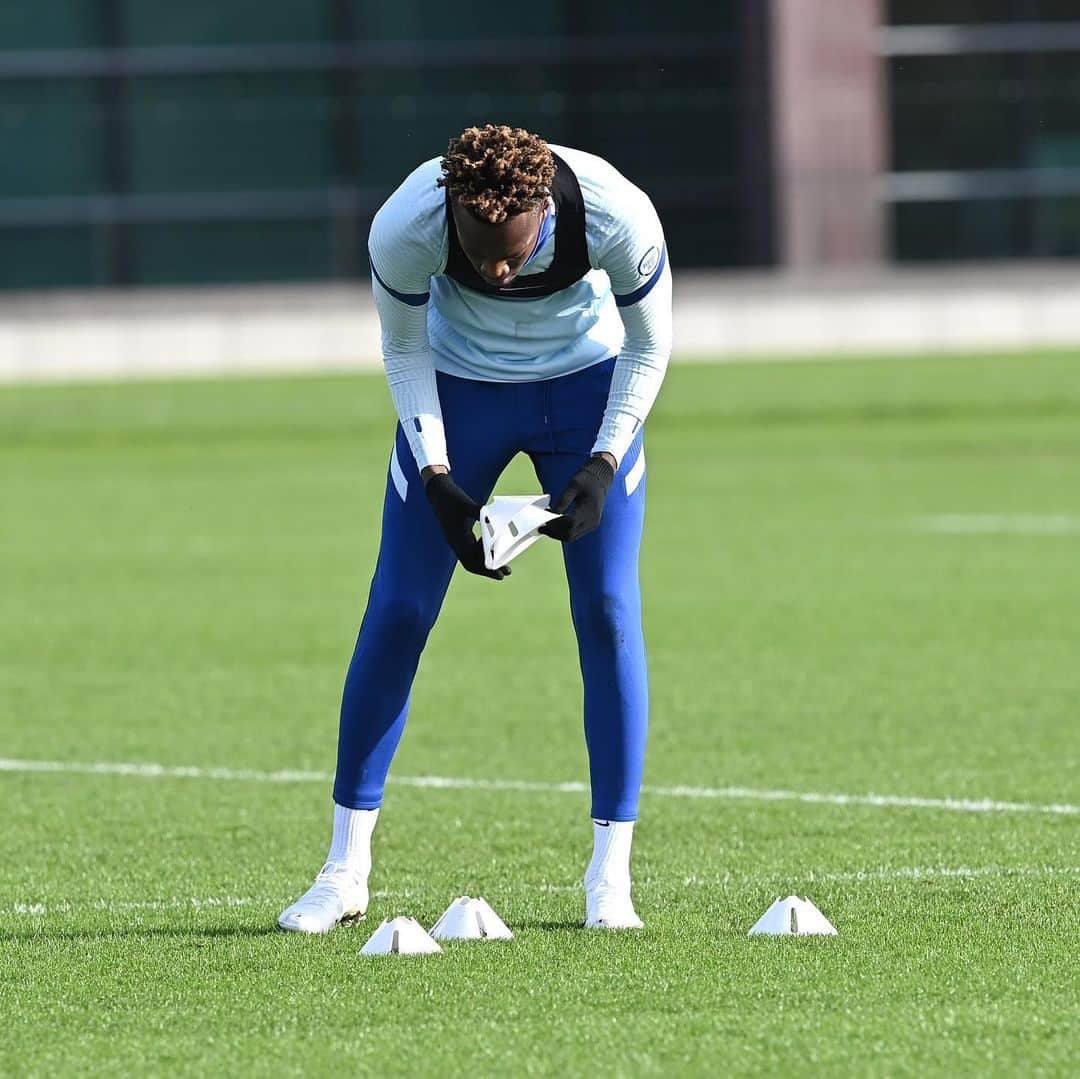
(857,876)
(999,524)
(901,873)
(751,794)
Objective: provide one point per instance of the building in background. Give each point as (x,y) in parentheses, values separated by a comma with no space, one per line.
(147,142)
(984,128)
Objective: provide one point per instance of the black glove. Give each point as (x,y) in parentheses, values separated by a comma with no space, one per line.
(456,512)
(586,490)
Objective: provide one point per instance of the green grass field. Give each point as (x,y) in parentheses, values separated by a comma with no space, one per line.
(860,578)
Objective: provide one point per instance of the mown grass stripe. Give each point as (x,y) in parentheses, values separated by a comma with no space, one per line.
(857,876)
(754,794)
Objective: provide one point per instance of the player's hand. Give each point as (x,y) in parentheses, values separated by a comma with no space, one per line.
(584,499)
(456,512)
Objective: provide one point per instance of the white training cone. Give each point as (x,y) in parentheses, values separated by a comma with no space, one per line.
(793,917)
(470,919)
(509,525)
(400,936)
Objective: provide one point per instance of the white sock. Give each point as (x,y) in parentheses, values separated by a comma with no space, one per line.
(610,863)
(352,838)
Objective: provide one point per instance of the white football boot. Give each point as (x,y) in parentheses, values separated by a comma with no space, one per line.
(339,894)
(610,907)
(607,880)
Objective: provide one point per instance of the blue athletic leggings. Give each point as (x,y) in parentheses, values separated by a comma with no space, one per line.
(555,422)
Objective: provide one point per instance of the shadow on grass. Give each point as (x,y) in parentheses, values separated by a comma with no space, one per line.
(41,933)
(548,925)
(44,934)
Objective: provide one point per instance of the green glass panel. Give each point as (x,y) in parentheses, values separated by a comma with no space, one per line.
(52,134)
(645,121)
(398,131)
(1057,152)
(227,22)
(228,133)
(1057,228)
(1016,228)
(1055,10)
(377,20)
(273,131)
(694,193)
(957,231)
(673,17)
(230,251)
(48,24)
(907,12)
(38,258)
(903,12)
(708,235)
(957,112)
(1055,109)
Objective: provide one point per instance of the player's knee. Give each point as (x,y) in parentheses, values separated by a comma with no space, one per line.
(603,619)
(404,620)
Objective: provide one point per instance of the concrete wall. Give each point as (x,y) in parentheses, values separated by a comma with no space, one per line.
(885,311)
(717,316)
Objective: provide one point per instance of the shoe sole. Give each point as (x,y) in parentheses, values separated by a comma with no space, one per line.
(346,919)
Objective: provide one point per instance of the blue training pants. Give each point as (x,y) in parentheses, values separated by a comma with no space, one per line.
(555,422)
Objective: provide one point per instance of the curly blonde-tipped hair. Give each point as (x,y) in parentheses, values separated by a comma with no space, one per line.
(496,171)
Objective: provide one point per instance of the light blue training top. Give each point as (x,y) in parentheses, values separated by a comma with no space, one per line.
(479,336)
(621,307)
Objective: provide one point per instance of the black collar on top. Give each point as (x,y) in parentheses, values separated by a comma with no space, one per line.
(571,261)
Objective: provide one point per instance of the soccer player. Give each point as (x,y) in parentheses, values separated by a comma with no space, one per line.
(525,302)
